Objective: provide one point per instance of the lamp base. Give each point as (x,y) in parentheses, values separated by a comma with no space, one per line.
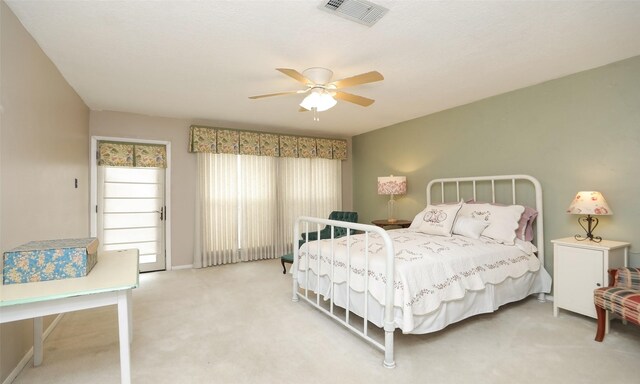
(390,207)
(595,239)
(592,223)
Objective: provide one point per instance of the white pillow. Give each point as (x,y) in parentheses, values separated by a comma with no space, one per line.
(417,220)
(469,227)
(503,220)
(438,219)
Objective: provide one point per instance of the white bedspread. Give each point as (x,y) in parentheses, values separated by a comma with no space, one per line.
(428,269)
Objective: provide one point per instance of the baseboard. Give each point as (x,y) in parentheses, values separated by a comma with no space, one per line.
(187,266)
(27,357)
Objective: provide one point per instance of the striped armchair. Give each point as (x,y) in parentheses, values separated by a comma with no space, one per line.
(621,297)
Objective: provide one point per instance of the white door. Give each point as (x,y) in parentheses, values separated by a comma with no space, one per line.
(131,212)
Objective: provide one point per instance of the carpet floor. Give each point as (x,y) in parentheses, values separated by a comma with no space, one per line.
(237,324)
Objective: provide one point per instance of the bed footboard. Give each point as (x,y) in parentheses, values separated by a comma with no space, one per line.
(311,223)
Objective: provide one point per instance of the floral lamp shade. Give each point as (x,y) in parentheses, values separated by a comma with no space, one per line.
(392,185)
(589,203)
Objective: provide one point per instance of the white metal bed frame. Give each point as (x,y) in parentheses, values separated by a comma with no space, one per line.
(388,324)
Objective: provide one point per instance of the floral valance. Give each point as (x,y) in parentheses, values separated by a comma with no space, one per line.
(216,140)
(118,154)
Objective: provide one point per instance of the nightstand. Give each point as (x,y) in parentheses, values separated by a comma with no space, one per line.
(579,267)
(386,223)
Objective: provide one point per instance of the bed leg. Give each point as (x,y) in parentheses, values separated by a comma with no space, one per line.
(541,297)
(294,296)
(388,347)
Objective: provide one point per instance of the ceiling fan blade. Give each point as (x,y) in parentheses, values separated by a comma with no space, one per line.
(297,76)
(302,109)
(276,94)
(365,102)
(362,78)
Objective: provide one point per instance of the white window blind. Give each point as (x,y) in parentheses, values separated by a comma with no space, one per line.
(247,204)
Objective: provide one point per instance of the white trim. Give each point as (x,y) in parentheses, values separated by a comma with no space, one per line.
(185,266)
(27,357)
(167,203)
(93,199)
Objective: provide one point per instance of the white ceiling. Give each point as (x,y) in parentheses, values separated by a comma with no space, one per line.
(202,59)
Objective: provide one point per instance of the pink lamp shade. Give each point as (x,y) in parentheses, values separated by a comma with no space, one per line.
(392,185)
(589,203)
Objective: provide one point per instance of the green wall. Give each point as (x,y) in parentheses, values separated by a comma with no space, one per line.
(579,132)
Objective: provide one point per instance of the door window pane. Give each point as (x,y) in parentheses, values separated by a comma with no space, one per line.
(129,216)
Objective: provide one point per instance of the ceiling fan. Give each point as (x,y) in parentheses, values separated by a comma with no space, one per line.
(322,91)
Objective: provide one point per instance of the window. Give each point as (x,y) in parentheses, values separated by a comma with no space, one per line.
(247,204)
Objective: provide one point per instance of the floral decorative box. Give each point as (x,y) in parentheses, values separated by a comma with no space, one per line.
(50,260)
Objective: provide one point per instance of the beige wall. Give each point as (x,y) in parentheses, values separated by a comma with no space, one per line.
(44,147)
(183,168)
(580,132)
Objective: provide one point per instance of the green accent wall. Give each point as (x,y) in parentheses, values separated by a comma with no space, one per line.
(579,132)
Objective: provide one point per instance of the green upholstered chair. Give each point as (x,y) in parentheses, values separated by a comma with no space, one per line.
(325,233)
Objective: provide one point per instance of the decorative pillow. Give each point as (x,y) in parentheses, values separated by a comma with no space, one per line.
(438,219)
(503,220)
(417,220)
(525,225)
(469,227)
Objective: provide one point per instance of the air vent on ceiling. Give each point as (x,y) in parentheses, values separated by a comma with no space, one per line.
(360,11)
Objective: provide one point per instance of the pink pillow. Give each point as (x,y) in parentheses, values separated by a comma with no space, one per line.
(525,225)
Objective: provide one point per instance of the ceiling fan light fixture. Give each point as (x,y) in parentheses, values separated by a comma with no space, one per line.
(318,100)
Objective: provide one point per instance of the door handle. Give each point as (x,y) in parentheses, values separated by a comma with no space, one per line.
(161,212)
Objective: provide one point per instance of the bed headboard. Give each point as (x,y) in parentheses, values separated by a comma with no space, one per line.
(504,189)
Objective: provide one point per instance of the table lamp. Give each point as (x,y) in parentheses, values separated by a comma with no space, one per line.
(392,185)
(589,203)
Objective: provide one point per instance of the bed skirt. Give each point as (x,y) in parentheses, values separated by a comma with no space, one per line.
(474,302)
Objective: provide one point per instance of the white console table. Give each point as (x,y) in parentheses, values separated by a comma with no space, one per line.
(109,283)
